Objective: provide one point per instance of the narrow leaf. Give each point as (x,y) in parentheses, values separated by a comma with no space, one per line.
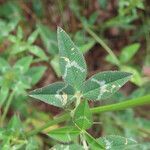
(37,51)
(65,134)
(36,73)
(58,94)
(72,63)
(83,116)
(128,52)
(104,84)
(32,37)
(111,59)
(49,39)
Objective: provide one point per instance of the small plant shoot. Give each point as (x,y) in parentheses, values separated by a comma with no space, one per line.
(74,94)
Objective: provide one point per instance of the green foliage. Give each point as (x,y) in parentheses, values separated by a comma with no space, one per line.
(19,45)
(100,86)
(83,116)
(124,58)
(65,134)
(128,52)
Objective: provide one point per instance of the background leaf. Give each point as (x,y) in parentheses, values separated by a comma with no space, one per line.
(37,51)
(49,38)
(32,37)
(23,64)
(36,73)
(128,52)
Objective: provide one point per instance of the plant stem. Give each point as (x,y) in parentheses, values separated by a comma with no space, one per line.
(123,105)
(112,107)
(102,43)
(7,107)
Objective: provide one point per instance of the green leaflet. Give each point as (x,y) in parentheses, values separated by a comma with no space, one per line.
(64,134)
(31,39)
(115,142)
(83,116)
(104,84)
(36,73)
(58,94)
(23,64)
(49,38)
(128,52)
(37,51)
(72,63)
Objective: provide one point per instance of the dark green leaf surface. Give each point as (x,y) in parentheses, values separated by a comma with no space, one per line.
(83,116)
(65,134)
(72,63)
(104,84)
(58,94)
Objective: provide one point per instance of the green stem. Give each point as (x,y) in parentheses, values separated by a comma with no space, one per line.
(7,107)
(102,43)
(112,107)
(123,105)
